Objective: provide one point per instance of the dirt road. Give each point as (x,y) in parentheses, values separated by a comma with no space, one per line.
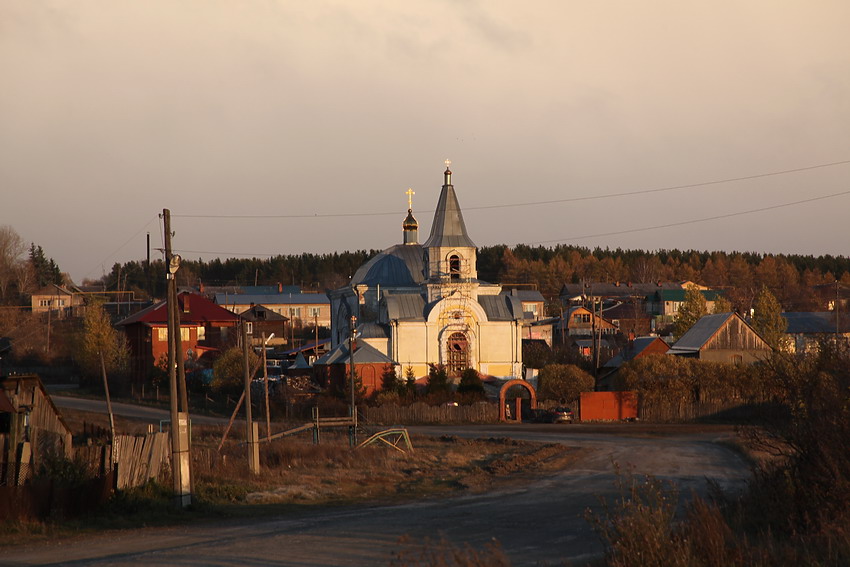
(536,523)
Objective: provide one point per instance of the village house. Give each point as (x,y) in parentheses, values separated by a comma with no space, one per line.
(724,337)
(59,301)
(806,330)
(302,309)
(205,330)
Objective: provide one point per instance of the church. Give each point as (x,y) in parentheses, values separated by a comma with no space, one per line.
(418,304)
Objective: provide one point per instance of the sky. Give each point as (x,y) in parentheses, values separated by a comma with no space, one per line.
(280,127)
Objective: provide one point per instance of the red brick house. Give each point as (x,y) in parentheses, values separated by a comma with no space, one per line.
(205,329)
(331,370)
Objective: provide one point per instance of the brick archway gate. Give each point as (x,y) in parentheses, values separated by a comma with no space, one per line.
(508,385)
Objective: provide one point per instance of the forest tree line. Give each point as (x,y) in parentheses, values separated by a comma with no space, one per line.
(789,277)
(24,268)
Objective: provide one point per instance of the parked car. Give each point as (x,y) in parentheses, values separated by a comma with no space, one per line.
(557,415)
(562,415)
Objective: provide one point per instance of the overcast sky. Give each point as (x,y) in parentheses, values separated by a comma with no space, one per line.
(111,111)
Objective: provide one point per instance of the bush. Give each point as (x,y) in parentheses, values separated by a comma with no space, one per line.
(563,382)
(471,387)
(229,371)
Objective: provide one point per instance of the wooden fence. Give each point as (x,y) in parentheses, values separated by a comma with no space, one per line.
(139,458)
(391,414)
(671,411)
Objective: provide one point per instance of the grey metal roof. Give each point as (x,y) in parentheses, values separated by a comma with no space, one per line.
(273,299)
(397,266)
(373,331)
(448,228)
(300,363)
(501,307)
(405,306)
(702,331)
(810,322)
(364,353)
(525,294)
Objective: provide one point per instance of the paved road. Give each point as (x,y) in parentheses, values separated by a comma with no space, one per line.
(152,414)
(538,523)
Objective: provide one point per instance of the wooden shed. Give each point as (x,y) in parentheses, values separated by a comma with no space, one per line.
(31,427)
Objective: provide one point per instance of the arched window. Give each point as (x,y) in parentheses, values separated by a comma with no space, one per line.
(457,359)
(454,267)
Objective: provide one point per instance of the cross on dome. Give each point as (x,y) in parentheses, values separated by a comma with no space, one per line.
(448,163)
(410,193)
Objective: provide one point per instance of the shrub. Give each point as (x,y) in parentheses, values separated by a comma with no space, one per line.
(471,387)
(563,382)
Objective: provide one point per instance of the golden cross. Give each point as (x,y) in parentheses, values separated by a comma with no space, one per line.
(448,163)
(410,193)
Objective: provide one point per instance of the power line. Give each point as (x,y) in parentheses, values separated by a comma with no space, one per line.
(614,233)
(108,256)
(705,219)
(532,203)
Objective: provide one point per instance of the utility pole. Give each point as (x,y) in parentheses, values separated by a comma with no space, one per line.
(266,383)
(251,432)
(180,458)
(352,429)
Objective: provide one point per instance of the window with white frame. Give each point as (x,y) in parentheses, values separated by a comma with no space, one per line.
(314,312)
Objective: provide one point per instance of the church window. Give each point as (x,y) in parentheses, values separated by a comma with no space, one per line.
(454,267)
(458,349)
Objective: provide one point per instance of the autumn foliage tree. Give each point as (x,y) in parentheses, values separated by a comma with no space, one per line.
(692,309)
(563,382)
(100,339)
(768,320)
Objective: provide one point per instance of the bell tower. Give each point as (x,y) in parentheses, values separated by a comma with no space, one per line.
(450,255)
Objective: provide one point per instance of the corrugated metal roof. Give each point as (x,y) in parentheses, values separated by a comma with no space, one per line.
(448,228)
(405,306)
(273,299)
(373,331)
(397,266)
(697,336)
(364,353)
(525,294)
(501,307)
(810,322)
(300,363)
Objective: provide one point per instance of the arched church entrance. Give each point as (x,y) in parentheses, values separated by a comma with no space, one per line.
(516,410)
(457,354)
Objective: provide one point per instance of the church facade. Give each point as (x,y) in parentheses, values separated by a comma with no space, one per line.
(420,304)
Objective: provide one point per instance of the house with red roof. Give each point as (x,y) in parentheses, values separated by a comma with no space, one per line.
(205,330)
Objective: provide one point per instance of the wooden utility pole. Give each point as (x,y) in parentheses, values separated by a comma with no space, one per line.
(266,383)
(180,458)
(352,430)
(251,432)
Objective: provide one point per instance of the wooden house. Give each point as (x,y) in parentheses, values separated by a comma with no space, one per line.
(724,337)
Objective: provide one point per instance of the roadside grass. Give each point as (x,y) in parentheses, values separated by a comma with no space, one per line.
(297,475)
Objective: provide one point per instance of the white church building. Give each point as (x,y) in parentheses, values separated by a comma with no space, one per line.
(420,304)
